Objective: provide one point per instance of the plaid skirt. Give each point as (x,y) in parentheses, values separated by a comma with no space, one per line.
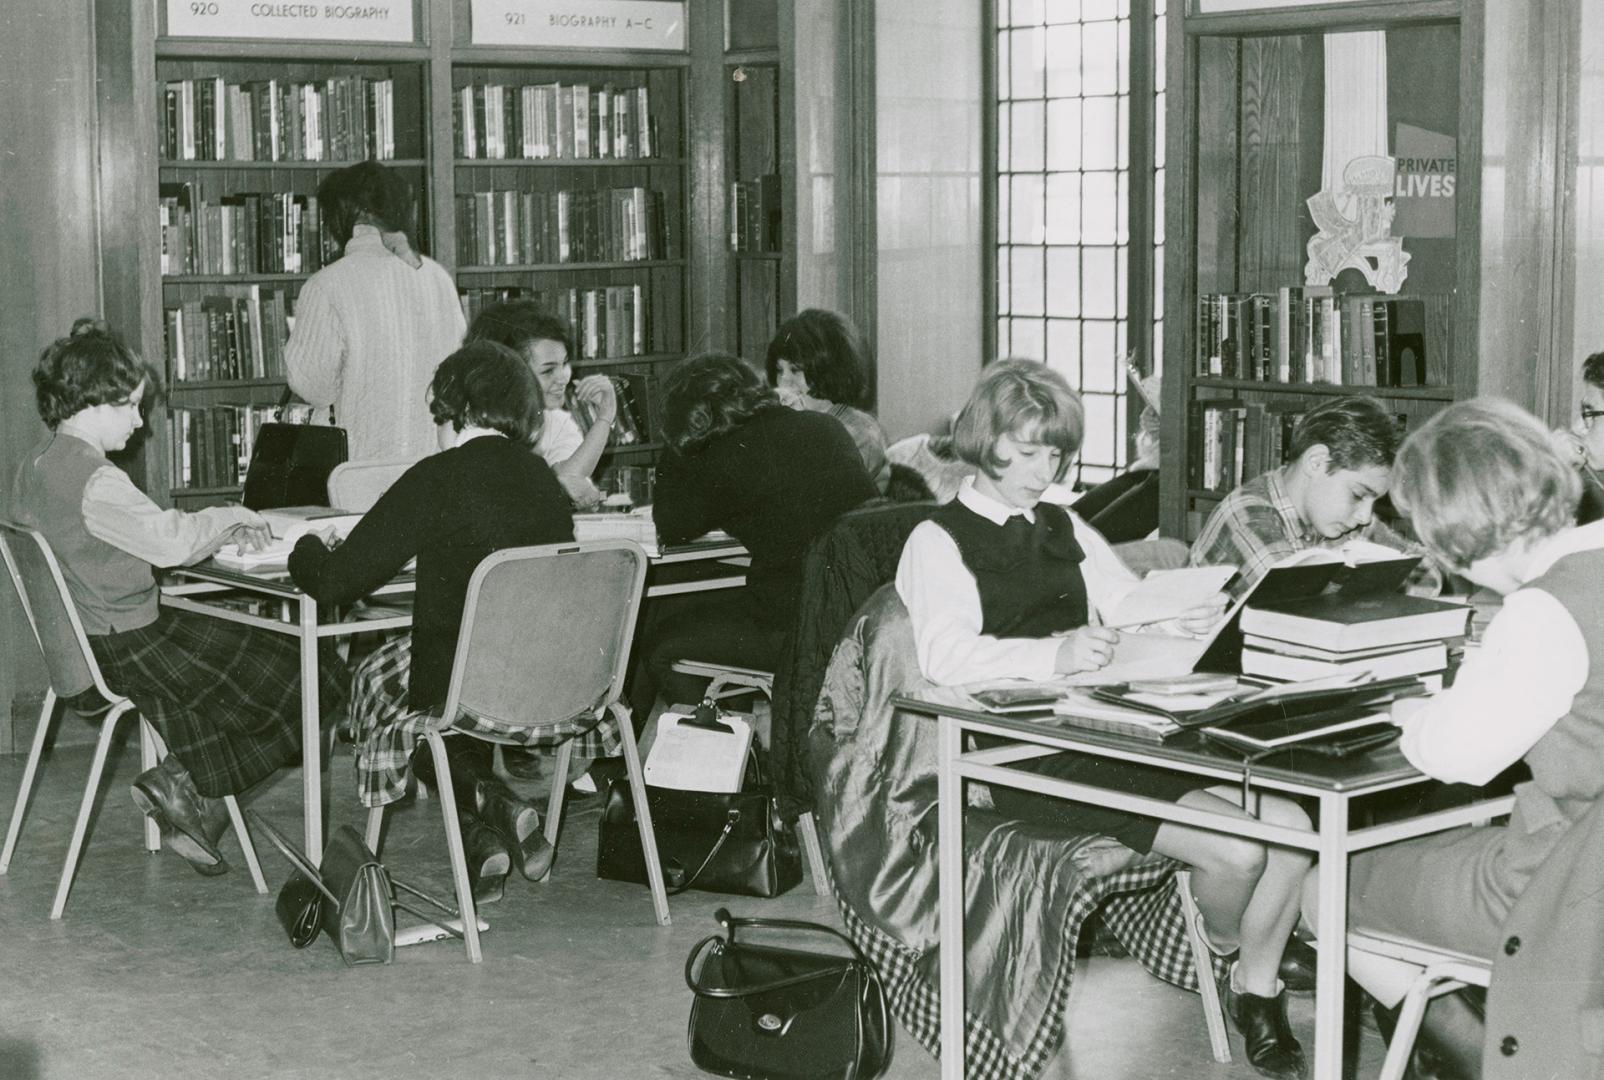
(388,729)
(225,697)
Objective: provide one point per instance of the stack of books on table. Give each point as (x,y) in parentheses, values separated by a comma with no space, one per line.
(1384,635)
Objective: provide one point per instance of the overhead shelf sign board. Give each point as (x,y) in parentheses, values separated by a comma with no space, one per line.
(581,24)
(292,20)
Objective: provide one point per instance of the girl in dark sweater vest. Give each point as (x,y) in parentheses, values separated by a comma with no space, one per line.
(999,584)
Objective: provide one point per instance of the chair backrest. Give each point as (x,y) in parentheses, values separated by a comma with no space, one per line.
(357,485)
(546,631)
(51,614)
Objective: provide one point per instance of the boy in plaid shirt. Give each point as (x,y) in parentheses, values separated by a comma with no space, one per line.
(1324,497)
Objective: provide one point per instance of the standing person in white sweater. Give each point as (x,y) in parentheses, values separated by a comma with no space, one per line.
(371,328)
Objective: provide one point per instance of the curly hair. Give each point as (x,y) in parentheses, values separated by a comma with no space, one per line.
(1479,476)
(708,395)
(1356,429)
(1024,399)
(90,366)
(487,385)
(517,324)
(1593,370)
(366,190)
(829,351)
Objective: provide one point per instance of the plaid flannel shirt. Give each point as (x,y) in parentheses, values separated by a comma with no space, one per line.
(1256,526)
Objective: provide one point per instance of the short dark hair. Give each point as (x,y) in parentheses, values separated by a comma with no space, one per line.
(489,386)
(366,189)
(708,395)
(517,324)
(1356,429)
(1593,370)
(828,349)
(90,366)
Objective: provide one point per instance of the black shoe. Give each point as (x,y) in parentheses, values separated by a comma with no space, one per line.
(488,860)
(1266,1036)
(190,823)
(1298,966)
(518,822)
(1448,1045)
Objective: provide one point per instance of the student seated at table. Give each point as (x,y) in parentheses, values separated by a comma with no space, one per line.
(999,584)
(226,698)
(817,360)
(772,477)
(546,344)
(481,493)
(1324,496)
(1492,501)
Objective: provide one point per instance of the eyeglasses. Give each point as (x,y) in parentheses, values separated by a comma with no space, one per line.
(1589,415)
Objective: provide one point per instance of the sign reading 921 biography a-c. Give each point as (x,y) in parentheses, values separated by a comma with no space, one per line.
(292,20)
(582,24)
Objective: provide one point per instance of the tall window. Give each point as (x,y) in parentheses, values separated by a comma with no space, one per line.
(1079,112)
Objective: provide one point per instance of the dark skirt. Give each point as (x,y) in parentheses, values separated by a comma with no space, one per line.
(225,697)
(1135,831)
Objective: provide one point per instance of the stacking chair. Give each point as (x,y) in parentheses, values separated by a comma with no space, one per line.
(76,682)
(357,485)
(1442,972)
(545,638)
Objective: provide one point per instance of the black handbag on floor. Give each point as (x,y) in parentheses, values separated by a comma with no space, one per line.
(714,841)
(290,463)
(769,1013)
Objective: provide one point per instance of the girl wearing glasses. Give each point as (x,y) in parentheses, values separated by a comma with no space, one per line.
(1583,443)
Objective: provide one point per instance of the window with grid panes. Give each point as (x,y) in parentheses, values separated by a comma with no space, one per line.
(1079,112)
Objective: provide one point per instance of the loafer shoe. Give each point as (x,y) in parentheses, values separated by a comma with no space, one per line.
(488,860)
(190,823)
(1266,1036)
(518,822)
(1298,966)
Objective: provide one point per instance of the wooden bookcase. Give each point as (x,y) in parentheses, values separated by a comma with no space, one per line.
(1245,128)
(631,241)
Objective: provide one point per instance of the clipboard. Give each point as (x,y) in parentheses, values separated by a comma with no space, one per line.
(701,751)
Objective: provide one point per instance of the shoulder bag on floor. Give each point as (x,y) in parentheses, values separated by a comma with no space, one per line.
(726,842)
(771,1013)
(290,463)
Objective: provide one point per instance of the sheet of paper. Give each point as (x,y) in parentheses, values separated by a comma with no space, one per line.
(1168,594)
(699,759)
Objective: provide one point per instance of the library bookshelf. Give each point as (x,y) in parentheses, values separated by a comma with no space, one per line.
(1250,345)
(597,181)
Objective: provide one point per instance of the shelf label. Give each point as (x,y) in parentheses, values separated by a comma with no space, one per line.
(292,20)
(591,24)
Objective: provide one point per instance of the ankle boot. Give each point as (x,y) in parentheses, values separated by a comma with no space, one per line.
(190,823)
(1267,1037)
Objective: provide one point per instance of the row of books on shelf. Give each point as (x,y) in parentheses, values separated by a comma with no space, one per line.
(1296,335)
(344,118)
(235,332)
(210,446)
(607,321)
(272,232)
(511,228)
(554,120)
(755,214)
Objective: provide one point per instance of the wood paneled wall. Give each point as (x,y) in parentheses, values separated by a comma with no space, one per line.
(48,236)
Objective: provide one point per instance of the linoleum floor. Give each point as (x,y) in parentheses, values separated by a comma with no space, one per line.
(158,972)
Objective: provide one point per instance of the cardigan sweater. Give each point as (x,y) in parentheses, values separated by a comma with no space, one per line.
(449,511)
(774,483)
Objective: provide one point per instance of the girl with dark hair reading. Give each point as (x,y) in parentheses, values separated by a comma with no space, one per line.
(817,360)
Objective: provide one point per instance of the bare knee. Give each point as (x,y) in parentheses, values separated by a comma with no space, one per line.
(1240,859)
(1276,810)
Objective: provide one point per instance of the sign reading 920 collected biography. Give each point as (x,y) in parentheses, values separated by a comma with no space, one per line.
(584,24)
(292,20)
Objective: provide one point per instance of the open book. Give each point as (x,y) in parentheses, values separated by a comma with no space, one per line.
(287,524)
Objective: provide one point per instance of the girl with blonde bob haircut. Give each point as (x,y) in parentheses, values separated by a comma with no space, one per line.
(999,584)
(1023,398)
(1491,497)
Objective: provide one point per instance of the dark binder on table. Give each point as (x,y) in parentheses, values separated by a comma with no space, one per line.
(1265,704)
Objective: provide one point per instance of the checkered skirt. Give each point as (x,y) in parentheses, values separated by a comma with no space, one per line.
(1139,904)
(388,729)
(226,697)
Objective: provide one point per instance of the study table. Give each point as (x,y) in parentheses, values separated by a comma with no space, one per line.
(206,588)
(1332,782)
